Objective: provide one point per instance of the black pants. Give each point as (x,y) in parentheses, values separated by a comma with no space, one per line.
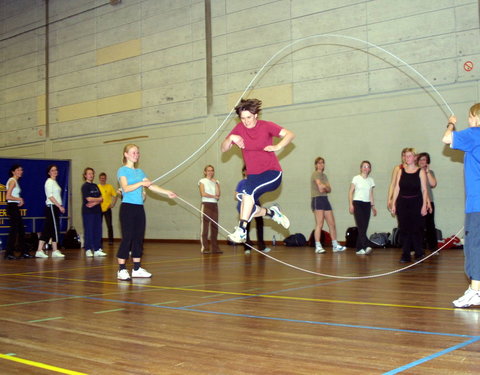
(51,229)
(411,225)
(132,221)
(16,237)
(108,220)
(259,227)
(362,218)
(430,230)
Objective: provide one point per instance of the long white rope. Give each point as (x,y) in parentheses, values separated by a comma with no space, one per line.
(326,274)
(249,86)
(269,62)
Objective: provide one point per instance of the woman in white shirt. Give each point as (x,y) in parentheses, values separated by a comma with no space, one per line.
(16,237)
(51,229)
(361,201)
(210,193)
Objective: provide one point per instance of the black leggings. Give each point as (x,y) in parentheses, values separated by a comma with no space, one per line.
(411,224)
(132,221)
(51,228)
(16,237)
(362,217)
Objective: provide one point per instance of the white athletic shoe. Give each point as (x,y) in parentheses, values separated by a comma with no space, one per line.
(89,253)
(320,250)
(361,252)
(338,248)
(40,254)
(469,298)
(141,272)
(123,275)
(279,218)
(57,254)
(266,250)
(99,253)
(239,236)
(368,250)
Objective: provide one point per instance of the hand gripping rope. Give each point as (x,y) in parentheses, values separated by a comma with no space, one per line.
(269,62)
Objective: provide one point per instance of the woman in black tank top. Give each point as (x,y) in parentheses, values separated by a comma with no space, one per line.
(410,205)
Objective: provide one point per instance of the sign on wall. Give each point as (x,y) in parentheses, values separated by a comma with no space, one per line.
(33,193)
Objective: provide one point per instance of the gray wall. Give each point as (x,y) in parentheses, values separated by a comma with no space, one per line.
(350,78)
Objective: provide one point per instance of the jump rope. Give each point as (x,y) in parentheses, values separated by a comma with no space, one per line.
(250,86)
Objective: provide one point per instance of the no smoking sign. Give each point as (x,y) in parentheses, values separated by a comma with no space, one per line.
(468,66)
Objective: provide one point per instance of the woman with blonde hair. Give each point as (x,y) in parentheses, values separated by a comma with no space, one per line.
(132,181)
(410,203)
(322,210)
(209,188)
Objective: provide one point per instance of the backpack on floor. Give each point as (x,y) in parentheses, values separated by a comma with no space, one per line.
(296,239)
(325,239)
(71,239)
(395,238)
(351,237)
(380,240)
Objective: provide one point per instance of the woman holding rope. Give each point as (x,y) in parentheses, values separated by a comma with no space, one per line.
(132,213)
(264,173)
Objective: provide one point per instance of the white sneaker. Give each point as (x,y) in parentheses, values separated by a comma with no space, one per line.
(319,250)
(247,252)
(40,254)
(89,253)
(57,254)
(279,218)
(266,250)
(239,236)
(99,253)
(368,250)
(123,275)
(361,252)
(338,247)
(141,272)
(469,298)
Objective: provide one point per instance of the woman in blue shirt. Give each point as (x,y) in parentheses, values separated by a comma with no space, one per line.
(132,214)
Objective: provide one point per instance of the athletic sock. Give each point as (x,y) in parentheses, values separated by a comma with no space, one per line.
(136,266)
(243,224)
(334,243)
(268,212)
(122,267)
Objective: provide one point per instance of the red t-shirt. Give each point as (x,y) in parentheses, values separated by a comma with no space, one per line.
(256,139)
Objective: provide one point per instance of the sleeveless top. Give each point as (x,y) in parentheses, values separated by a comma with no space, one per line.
(410,185)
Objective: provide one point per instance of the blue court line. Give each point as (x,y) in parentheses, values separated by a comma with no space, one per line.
(433,356)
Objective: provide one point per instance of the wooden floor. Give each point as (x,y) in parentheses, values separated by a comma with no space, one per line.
(235,314)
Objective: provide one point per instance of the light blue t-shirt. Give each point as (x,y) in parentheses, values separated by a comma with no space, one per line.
(133,176)
(468,140)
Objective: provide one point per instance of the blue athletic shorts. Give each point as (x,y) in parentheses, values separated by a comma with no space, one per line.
(321,203)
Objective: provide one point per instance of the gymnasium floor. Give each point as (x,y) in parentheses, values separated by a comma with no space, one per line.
(234,314)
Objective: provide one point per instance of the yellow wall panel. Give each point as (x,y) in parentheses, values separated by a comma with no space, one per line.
(112,104)
(119,51)
(119,103)
(270,96)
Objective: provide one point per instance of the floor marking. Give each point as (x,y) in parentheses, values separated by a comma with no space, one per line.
(107,311)
(46,319)
(213,296)
(163,303)
(433,356)
(260,295)
(41,365)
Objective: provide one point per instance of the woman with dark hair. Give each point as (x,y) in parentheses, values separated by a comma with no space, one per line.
(322,210)
(264,173)
(16,237)
(51,228)
(132,213)
(361,202)
(423,161)
(92,215)
(410,203)
(209,188)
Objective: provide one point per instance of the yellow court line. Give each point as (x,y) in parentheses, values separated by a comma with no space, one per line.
(264,295)
(41,365)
